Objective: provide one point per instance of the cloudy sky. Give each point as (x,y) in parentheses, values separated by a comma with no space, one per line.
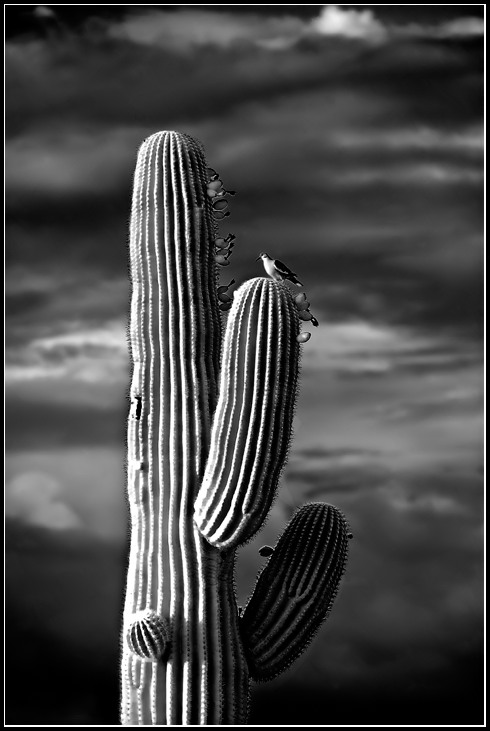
(354,137)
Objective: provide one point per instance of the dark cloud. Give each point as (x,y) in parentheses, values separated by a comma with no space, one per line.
(114,83)
(87,79)
(19,304)
(53,425)
(390,230)
(384,179)
(426,700)
(378,286)
(450,93)
(70,690)
(87,567)
(409,611)
(344,452)
(51,579)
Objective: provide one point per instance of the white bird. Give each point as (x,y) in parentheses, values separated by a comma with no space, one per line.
(277,270)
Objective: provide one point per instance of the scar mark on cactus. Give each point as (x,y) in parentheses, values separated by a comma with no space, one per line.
(266,551)
(136,407)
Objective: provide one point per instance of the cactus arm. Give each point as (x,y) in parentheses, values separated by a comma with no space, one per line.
(295,591)
(253,420)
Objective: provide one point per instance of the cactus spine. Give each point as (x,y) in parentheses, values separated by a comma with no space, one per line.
(183,659)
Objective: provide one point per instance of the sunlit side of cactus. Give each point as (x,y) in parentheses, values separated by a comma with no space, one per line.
(200,675)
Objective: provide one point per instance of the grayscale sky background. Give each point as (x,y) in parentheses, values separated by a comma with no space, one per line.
(354,137)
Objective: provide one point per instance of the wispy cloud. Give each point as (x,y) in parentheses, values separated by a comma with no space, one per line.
(180,31)
(465,27)
(43,12)
(69,487)
(359,24)
(417,174)
(101,353)
(335,20)
(68,162)
(91,355)
(187,29)
(412,139)
(363,347)
(36,498)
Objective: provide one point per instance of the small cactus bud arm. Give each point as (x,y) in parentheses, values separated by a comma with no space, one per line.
(295,591)
(252,422)
(148,635)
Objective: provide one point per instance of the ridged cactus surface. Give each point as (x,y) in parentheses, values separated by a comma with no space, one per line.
(199,487)
(253,418)
(175,335)
(296,589)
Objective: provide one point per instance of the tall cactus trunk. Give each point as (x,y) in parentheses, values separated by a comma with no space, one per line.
(199,488)
(175,342)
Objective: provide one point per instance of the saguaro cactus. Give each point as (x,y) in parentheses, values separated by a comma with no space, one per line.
(203,464)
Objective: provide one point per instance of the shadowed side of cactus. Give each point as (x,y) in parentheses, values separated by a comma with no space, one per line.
(253,419)
(295,591)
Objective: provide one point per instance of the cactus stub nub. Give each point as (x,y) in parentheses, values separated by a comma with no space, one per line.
(148,635)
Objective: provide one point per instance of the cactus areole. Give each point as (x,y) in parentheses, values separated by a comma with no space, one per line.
(206,444)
